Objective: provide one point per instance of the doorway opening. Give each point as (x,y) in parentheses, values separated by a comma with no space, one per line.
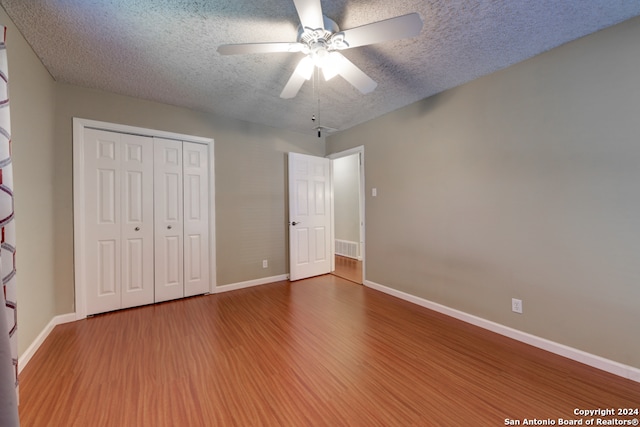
(348,213)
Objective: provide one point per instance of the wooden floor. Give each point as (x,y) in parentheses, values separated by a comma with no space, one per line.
(322,351)
(348,268)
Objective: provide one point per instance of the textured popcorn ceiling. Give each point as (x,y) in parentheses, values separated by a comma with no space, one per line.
(165,50)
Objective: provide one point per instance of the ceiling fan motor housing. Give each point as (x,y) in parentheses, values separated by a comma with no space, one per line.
(320,41)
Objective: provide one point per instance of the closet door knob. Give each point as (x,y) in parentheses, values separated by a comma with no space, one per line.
(137,229)
(168,227)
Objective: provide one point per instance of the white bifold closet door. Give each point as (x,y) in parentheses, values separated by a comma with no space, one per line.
(181,219)
(195,172)
(119,220)
(146,204)
(168,220)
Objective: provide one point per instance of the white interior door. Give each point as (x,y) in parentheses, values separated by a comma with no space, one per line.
(102,206)
(310,210)
(118,178)
(168,189)
(137,220)
(195,169)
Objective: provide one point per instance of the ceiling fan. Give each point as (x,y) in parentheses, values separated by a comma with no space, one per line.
(320,40)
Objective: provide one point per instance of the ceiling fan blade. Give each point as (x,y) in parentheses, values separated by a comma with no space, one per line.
(396,28)
(310,13)
(293,86)
(353,74)
(237,49)
(303,72)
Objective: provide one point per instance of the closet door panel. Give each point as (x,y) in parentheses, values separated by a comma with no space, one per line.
(137,221)
(196,218)
(168,202)
(103,220)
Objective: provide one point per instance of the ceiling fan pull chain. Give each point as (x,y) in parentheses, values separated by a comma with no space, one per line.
(314,118)
(317,78)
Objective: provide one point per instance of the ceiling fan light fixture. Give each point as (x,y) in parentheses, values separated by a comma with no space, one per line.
(329,73)
(305,68)
(331,66)
(319,53)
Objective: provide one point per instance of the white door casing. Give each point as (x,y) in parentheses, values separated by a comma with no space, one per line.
(118,199)
(310,210)
(168,189)
(196,218)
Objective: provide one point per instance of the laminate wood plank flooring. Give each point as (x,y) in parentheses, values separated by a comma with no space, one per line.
(316,352)
(348,268)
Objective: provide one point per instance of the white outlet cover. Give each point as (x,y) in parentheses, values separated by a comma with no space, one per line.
(516,305)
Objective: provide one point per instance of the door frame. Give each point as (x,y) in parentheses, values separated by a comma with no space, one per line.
(355,150)
(79,125)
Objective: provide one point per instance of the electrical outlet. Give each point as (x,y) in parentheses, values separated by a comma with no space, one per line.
(265,263)
(516,305)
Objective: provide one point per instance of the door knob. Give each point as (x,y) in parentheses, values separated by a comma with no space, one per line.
(295,223)
(137,229)
(168,227)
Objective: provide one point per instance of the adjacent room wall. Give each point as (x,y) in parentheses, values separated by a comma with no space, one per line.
(523,184)
(346,196)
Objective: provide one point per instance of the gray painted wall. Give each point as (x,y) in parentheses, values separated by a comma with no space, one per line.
(525,184)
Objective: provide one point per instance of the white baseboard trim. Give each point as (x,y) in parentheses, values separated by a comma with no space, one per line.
(598,362)
(35,345)
(250,283)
